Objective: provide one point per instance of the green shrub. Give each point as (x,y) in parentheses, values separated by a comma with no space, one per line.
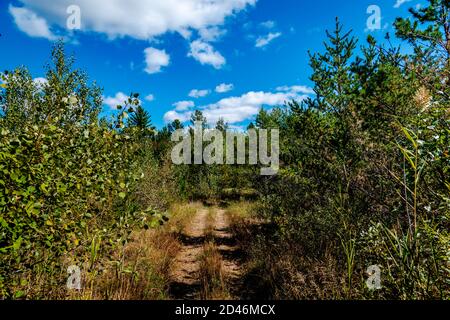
(65,180)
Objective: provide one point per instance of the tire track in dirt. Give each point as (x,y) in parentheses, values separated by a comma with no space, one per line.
(185,273)
(230,251)
(186,270)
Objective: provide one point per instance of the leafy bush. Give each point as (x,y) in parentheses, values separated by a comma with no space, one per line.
(365,172)
(64,179)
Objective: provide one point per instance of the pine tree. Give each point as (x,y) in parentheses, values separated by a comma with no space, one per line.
(434,19)
(221,125)
(332,74)
(141,120)
(198,116)
(428,32)
(175,125)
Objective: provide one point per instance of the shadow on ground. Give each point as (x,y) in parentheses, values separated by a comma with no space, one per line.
(250,285)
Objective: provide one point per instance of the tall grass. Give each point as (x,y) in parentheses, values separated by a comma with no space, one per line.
(139,270)
(212,278)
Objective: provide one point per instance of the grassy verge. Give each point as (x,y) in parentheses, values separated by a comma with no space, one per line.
(141,269)
(277,269)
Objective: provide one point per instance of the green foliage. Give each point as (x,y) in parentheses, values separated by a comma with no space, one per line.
(428,32)
(365,163)
(334,81)
(364,177)
(65,179)
(141,120)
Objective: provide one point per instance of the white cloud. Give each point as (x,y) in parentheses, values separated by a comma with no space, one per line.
(174,115)
(399,3)
(238,109)
(155,60)
(261,42)
(30,23)
(296,89)
(118,100)
(224,88)
(268,24)
(212,34)
(185,33)
(195,93)
(235,110)
(150,98)
(183,105)
(205,54)
(140,19)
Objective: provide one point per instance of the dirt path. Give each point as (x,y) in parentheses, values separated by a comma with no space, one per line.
(186,270)
(229,250)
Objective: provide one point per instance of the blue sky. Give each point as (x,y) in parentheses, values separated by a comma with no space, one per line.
(177,53)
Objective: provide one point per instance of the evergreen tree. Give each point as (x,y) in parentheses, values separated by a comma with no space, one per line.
(428,32)
(175,125)
(221,125)
(140,119)
(198,116)
(334,81)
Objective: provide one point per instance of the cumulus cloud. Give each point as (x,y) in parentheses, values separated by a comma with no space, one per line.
(195,93)
(155,60)
(296,89)
(205,54)
(183,105)
(143,19)
(118,100)
(150,98)
(212,34)
(235,110)
(263,41)
(224,88)
(174,115)
(238,109)
(30,23)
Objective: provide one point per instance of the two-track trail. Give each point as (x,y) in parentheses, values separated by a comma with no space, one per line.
(207,225)
(229,250)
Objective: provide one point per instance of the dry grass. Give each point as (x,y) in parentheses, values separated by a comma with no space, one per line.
(141,269)
(212,277)
(211,273)
(241,210)
(279,270)
(294,277)
(272,270)
(180,214)
(141,272)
